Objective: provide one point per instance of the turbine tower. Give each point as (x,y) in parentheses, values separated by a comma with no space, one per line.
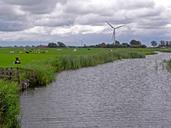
(114,31)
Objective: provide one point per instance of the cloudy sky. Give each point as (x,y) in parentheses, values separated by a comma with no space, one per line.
(83,21)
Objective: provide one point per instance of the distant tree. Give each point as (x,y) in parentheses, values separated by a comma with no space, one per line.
(135,43)
(61,44)
(110,45)
(117,42)
(125,45)
(154,43)
(143,46)
(162,43)
(102,45)
(167,44)
(52,45)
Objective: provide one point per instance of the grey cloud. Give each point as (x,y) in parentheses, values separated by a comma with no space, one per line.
(18,15)
(54,21)
(40,8)
(12,26)
(11,19)
(36,6)
(8,12)
(132,4)
(32,2)
(88,7)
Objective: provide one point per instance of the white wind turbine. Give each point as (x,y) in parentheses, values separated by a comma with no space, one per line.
(114,31)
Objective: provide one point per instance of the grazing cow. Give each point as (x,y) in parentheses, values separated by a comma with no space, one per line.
(17,61)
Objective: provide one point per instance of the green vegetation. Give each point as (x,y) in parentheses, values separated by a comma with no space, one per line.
(31,55)
(169,65)
(165,50)
(168,62)
(45,63)
(9,104)
(67,59)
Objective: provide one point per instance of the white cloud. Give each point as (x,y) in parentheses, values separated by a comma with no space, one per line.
(33,19)
(77,29)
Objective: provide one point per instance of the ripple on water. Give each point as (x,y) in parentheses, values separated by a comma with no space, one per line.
(124,94)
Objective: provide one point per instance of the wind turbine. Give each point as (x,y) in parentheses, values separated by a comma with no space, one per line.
(114,30)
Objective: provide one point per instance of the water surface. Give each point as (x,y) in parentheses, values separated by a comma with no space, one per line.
(125,94)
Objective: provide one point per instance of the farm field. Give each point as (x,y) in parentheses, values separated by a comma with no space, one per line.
(32,55)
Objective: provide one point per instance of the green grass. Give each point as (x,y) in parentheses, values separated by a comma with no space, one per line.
(165,50)
(67,60)
(46,62)
(9,104)
(7,58)
(169,65)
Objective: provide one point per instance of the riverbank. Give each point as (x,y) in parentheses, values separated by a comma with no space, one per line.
(169,61)
(45,70)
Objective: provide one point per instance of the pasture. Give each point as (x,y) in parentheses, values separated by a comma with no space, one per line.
(32,55)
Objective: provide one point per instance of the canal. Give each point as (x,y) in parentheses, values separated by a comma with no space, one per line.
(133,93)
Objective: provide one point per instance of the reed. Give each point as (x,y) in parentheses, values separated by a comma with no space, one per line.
(45,70)
(9,104)
(75,62)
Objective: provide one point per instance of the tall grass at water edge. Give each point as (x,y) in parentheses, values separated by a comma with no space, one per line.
(9,104)
(45,70)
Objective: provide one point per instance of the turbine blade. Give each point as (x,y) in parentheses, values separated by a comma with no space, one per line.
(119,26)
(110,25)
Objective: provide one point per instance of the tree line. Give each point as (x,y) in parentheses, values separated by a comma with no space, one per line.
(117,44)
(161,44)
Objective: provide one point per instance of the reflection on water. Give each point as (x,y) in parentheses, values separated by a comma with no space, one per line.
(124,94)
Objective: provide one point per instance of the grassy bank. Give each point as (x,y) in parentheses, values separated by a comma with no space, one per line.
(164,49)
(9,104)
(167,50)
(46,69)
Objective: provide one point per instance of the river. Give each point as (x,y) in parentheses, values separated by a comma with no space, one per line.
(133,93)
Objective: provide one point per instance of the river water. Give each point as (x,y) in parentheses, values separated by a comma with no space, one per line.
(125,94)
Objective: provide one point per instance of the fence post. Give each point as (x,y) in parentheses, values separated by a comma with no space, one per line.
(10,73)
(18,75)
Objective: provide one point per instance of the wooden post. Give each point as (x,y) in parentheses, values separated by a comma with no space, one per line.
(18,75)
(10,73)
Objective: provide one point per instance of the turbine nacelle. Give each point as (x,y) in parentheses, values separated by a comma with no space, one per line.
(117,27)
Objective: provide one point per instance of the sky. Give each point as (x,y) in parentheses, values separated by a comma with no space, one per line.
(78,22)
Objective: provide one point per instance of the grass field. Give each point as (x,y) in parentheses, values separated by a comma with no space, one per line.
(47,61)
(8,55)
